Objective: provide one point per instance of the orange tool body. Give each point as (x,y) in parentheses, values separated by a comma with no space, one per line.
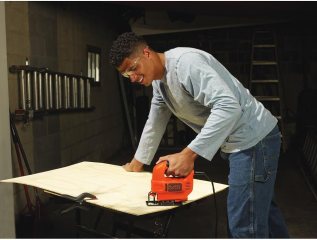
(168,190)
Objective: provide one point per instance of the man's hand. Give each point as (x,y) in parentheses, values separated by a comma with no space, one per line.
(180,164)
(133,166)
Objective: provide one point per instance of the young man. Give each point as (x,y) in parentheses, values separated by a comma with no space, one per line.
(195,87)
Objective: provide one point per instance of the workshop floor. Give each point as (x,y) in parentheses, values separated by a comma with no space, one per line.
(292,193)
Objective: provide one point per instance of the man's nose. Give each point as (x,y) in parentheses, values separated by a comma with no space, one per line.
(133,77)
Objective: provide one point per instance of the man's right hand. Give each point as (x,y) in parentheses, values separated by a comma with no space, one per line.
(133,166)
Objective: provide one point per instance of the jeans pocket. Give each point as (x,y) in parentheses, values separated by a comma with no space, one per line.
(261,173)
(240,167)
(267,155)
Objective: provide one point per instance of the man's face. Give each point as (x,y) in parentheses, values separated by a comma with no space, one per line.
(139,69)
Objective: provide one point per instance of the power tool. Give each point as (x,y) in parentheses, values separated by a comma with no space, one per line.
(168,190)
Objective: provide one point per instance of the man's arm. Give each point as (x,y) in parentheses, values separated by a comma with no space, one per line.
(207,81)
(152,133)
(207,86)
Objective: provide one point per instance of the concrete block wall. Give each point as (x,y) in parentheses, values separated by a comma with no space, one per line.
(56,35)
(98,130)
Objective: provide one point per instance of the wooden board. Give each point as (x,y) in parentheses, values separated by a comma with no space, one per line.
(114,187)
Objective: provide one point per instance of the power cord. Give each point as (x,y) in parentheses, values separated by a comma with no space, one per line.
(215,200)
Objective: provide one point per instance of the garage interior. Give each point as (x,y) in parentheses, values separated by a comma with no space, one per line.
(63,38)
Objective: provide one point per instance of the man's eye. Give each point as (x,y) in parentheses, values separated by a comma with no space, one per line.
(132,68)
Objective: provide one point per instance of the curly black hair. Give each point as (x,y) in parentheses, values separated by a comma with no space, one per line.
(124,46)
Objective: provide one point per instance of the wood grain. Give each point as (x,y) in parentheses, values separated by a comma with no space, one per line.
(114,187)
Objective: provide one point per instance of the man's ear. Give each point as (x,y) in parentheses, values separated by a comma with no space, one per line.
(146,51)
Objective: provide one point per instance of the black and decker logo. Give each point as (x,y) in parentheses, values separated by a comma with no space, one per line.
(173,187)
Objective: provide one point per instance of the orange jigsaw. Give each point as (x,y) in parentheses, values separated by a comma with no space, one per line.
(168,190)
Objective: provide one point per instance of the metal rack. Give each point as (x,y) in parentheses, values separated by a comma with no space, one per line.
(42,91)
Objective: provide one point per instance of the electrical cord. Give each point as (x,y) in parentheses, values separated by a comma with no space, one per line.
(196,173)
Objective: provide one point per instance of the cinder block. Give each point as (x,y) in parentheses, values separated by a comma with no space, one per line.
(38,47)
(18,44)
(40,128)
(53,124)
(17,17)
(25,132)
(66,157)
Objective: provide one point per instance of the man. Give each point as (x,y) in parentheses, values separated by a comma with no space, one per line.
(195,87)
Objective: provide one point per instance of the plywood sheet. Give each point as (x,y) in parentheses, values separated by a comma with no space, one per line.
(114,187)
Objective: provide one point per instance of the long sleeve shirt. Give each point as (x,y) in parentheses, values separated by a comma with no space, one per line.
(202,93)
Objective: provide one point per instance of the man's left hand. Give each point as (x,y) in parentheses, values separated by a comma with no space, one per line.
(180,164)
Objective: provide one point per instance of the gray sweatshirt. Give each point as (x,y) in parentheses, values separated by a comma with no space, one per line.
(201,92)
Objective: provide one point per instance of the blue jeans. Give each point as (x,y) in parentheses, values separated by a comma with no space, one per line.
(252,212)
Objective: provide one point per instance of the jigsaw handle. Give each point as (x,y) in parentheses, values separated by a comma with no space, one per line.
(160,169)
(169,188)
